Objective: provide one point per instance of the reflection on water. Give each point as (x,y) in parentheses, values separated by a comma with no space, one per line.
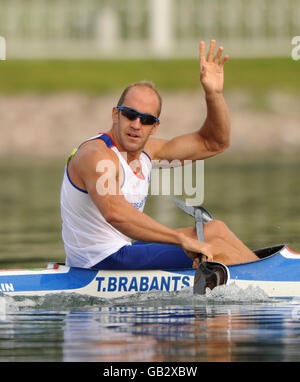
(259,200)
(155,328)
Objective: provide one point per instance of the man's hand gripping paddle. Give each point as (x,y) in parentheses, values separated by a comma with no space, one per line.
(209,274)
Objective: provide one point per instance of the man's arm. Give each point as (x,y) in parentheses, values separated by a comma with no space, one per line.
(103,187)
(214,135)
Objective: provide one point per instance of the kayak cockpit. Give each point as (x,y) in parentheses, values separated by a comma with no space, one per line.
(262,253)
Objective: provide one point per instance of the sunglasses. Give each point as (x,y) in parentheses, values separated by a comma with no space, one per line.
(132,114)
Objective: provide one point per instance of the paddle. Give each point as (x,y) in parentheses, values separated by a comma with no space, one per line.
(209,274)
(200,214)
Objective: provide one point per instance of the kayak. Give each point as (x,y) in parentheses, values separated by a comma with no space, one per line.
(277,273)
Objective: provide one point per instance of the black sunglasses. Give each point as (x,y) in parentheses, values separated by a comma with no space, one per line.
(132,114)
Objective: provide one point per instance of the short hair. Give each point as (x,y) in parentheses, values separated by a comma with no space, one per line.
(147,84)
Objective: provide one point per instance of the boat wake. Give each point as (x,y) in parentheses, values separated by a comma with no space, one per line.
(233,293)
(221,294)
(67,301)
(55,301)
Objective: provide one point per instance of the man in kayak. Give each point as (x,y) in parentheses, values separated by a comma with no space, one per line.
(106,183)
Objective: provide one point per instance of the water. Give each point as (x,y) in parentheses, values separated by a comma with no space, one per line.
(258,199)
(232,325)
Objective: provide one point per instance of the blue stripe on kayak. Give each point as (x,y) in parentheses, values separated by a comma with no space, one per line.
(273,268)
(187,271)
(74,279)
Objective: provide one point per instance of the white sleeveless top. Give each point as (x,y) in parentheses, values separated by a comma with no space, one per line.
(88,238)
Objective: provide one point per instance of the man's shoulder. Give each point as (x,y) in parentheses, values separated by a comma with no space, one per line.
(95,150)
(90,154)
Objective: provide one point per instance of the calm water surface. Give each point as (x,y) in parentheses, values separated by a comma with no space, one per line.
(260,201)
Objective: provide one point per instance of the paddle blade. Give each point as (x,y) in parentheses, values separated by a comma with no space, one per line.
(209,275)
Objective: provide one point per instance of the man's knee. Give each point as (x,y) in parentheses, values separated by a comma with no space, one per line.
(216,229)
(217,242)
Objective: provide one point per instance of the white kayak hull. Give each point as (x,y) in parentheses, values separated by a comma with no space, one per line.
(277,274)
(102,284)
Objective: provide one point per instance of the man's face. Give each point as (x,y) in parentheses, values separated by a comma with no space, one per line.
(133,135)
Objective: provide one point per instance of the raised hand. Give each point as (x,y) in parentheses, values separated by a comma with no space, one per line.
(212,68)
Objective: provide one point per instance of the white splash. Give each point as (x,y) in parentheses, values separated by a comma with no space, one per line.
(233,293)
(65,301)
